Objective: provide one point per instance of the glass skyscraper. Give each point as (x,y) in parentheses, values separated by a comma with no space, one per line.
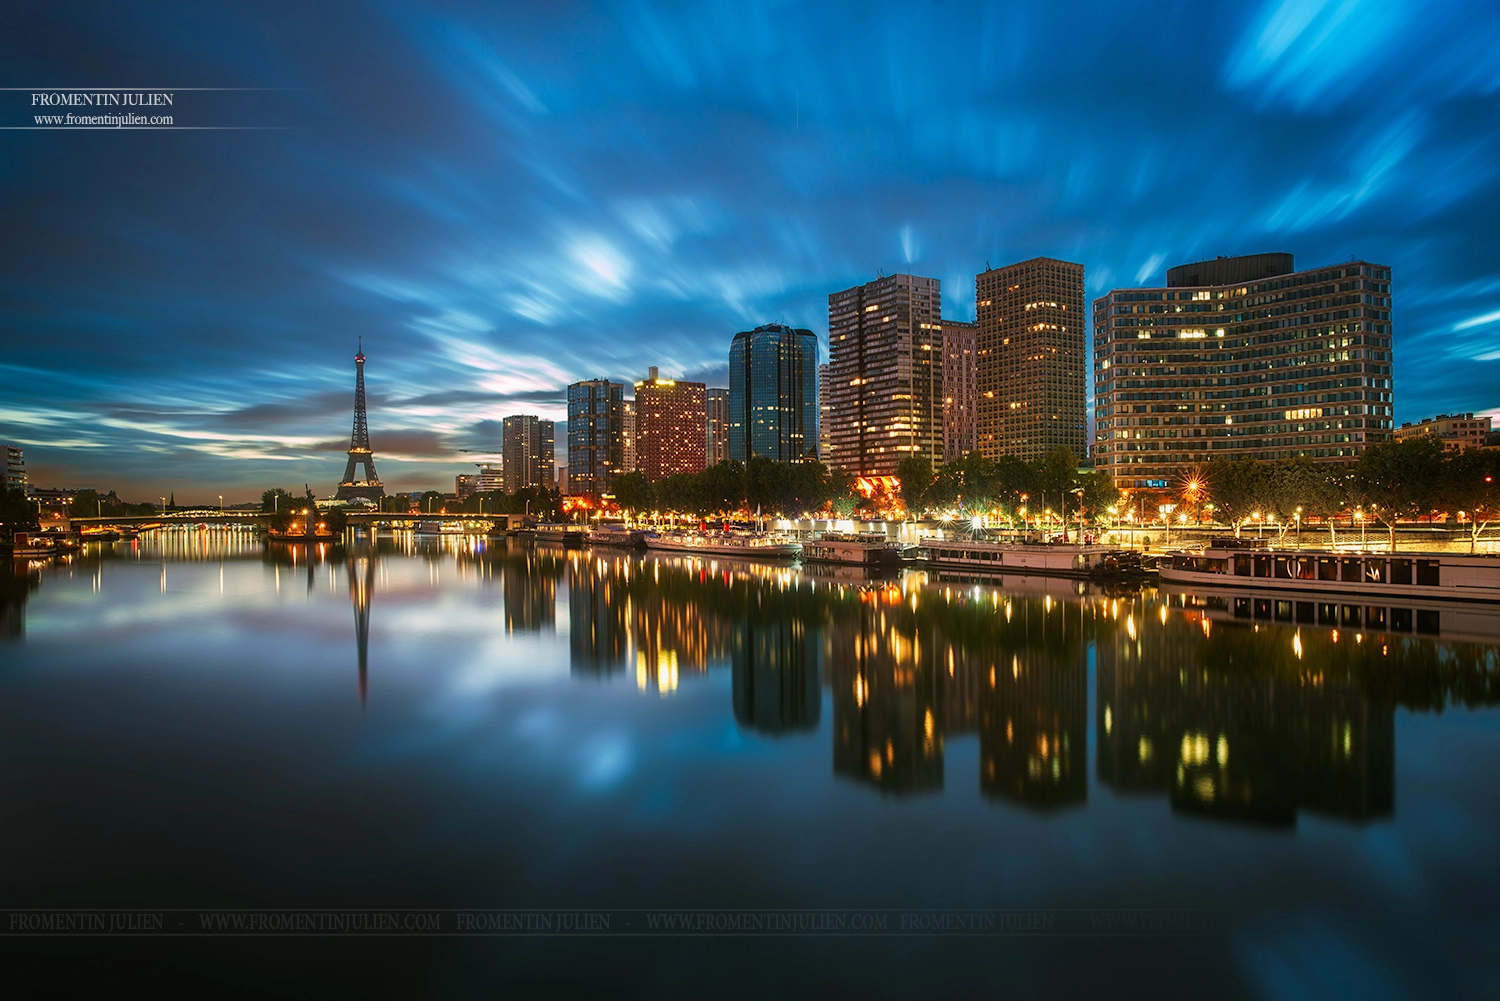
(596,436)
(773,393)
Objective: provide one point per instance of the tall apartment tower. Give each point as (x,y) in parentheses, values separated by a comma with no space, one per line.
(670,420)
(885,374)
(773,394)
(1241,356)
(526,446)
(627,413)
(13,471)
(717,432)
(596,436)
(960,389)
(1030,360)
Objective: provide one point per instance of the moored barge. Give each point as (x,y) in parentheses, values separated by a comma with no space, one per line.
(1439,576)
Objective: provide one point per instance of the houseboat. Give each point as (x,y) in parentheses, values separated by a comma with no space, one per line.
(1060,559)
(618,536)
(567,535)
(745,547)
(865,549)
(436,529)
(1231,563)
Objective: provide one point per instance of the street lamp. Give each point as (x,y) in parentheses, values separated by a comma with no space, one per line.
(1359,516)
(221,505)
(1166,517)
(1255,515)
(1299,527)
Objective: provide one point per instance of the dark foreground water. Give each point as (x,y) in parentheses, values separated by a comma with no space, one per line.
(1066,791)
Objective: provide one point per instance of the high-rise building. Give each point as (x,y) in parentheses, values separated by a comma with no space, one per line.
(1029,363)
(960,390)
(717,432)
(627,417)
(670,420)
(596,436)
(773,393)
(526,444)
(465,485)
(885,374)
(13,473)
(1241,356)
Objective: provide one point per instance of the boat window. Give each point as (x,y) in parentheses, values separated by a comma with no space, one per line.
(1307,568)
(1328,568)
(1401,618)
(1262,566)
(1218,566)
(1242,564)
(1350,571)
(1285,567)
(1401,572)
(1427,573)
(1375,571)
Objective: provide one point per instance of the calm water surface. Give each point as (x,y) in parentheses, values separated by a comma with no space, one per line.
(192,721)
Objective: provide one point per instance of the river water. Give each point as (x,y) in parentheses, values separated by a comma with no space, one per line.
(731,779)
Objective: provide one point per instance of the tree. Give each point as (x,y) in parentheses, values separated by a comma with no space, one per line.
(1472,484)
(1238,488)
(276,499)
(1398,479)
(432,502)
(916,476)
(1099,493)
(843,495)
(634,492)
(17,513)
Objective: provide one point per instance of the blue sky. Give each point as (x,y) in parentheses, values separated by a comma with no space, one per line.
(502,199)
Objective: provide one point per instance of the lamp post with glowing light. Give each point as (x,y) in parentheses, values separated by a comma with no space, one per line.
(1298,516)
(1166,517)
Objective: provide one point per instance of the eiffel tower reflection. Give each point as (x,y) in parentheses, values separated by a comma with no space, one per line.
(361,569)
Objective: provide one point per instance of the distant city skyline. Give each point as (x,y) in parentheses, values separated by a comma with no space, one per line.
(511,205)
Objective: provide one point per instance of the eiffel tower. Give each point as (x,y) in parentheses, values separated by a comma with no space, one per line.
(370,487)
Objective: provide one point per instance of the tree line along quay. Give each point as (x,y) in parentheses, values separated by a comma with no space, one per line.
(1402,483)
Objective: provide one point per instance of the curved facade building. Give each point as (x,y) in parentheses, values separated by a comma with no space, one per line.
(773,394)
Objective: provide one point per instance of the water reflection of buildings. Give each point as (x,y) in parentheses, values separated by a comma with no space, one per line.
(17,582)
(887,703)
(1229,724)
(777,687)
(1033,732)
(624,613)
(529,578)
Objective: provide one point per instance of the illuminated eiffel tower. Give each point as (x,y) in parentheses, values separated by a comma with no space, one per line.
(370,487)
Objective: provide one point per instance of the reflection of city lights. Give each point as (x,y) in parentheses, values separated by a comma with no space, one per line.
(859,690)
(1297,644)
(1163,614)
(1130,626)
(1109,721)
